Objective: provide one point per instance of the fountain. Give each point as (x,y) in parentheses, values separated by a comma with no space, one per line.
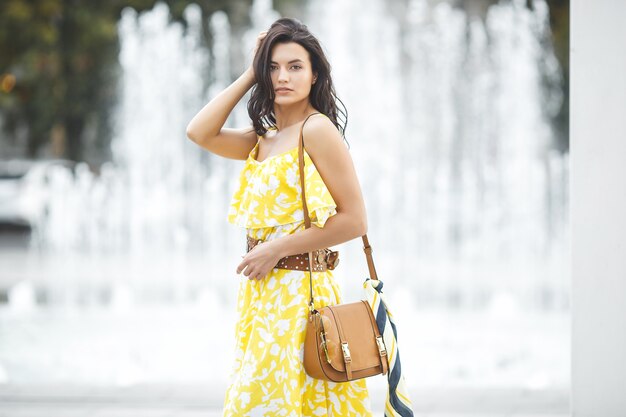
(453,111)
(448,129)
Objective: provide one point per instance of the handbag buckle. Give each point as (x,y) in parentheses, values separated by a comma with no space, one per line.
(324,346)
(323,336)
(381,346)
(346,352)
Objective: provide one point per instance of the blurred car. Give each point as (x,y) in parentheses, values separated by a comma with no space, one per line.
(24,186)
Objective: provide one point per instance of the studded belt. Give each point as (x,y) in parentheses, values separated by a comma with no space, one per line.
(323,259)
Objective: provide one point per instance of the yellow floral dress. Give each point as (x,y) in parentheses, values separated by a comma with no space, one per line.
(267,378)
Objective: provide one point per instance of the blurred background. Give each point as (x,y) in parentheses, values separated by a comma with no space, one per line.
(117,265)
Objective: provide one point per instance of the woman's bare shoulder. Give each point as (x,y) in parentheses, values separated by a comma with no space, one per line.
(320,136)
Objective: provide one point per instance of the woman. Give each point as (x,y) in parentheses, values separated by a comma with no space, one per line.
(292,85)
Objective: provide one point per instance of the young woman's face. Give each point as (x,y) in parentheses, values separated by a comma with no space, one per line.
(291,70)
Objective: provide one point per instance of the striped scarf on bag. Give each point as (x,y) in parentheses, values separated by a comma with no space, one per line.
(398,403)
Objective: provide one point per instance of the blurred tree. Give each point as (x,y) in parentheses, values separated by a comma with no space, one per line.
(60,56)
(59,67)
(559,23)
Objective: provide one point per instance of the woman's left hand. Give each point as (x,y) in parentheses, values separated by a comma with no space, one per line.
(259,261)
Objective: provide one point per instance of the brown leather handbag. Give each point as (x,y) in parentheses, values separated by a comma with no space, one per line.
(342,342)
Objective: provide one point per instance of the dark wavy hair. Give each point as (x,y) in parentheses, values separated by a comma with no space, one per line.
(322,95)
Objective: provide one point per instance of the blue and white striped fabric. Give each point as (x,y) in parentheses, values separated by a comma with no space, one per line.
(398,403)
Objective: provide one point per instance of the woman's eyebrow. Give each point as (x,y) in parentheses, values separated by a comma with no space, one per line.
(293,60)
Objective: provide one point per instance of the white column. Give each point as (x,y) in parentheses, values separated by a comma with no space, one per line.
(598,204)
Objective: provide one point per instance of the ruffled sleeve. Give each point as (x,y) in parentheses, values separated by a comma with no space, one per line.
(268,193)
(320,202)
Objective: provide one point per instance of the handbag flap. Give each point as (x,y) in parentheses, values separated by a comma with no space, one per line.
(358,327)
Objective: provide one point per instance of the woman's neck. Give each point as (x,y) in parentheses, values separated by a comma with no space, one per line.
(291,116)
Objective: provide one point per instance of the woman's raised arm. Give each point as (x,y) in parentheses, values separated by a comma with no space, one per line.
(206,128)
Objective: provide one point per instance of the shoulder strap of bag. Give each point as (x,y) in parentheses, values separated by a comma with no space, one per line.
(307,220)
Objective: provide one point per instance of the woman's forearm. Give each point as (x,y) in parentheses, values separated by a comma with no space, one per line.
(339,228)
(208,122)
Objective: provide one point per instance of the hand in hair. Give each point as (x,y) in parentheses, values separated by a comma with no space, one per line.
(259,40)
